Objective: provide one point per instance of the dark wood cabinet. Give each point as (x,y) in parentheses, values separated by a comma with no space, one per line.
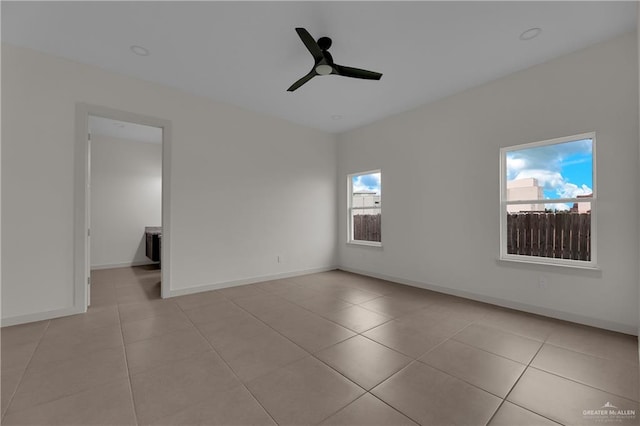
(153,235)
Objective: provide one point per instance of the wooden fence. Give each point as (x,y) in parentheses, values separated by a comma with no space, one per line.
(366,227)
(565,235)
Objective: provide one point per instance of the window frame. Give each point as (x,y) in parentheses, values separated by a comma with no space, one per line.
(350,239)
(591,264)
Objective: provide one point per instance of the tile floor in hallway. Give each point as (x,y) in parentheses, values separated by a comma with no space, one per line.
(331,348)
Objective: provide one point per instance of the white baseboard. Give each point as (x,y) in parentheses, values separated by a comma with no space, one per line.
(539,310)
(244,281)
(41,316)
(123,265)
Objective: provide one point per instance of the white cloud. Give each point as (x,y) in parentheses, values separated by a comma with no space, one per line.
(570,190)
(545,163)
(546,178)
(367,183)
(514,166)
(554,181)
(549,157)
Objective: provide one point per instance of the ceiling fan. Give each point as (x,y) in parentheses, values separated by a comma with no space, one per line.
(324,64)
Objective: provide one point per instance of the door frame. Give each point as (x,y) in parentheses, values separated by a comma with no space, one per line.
(81,195)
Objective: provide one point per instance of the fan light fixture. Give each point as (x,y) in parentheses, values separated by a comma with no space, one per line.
(324,69)
(324,64)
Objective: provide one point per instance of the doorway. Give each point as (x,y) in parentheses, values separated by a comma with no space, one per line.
(126,201)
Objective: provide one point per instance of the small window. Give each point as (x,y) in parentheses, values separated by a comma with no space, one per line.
(548,202)
(365,208)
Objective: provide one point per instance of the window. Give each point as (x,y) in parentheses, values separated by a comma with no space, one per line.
(548,202)
(365,208)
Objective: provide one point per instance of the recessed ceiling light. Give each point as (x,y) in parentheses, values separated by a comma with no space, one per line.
(139,50)
(531,33)
(336,117)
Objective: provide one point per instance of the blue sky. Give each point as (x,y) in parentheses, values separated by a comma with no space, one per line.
(368,183)
(563,170)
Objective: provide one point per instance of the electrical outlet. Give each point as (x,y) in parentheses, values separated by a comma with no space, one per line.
(542,281)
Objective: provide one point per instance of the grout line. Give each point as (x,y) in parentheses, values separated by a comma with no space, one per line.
(404,353)
(497,409)
(518,380)
(126,363)
(366,391)
(413,360)
(59,397)
(228,366)
(559,346)
(287,337)
(489,352)
(351,329)
(496,327)
(583,384)
(351,304)
(124,348)
(394,408)
(531,411)
(361,333)
(390,348)
(469,383)
(496,412)
(15,391)
(461,379)
(391,319)
(341,408)
(568,378)
(347,404)
(273,328)
(313,355)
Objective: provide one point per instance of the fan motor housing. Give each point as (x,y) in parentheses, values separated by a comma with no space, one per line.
(324,43)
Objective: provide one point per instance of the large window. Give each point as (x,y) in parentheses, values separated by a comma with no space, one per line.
(548,201)
(365,208)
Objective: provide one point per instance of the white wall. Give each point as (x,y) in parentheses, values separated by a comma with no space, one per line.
(126,196)
(638,46)
(226,162)
(439,231)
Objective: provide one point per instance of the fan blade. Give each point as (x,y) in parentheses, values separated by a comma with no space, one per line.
(311,44)
(302,81)
(356,72)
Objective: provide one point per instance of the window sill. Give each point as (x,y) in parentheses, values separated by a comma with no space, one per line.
(373,244)
(534,261)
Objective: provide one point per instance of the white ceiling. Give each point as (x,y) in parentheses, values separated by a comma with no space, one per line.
(124,130)
(248,54)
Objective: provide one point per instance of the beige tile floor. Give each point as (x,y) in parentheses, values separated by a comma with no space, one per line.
(332,348)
